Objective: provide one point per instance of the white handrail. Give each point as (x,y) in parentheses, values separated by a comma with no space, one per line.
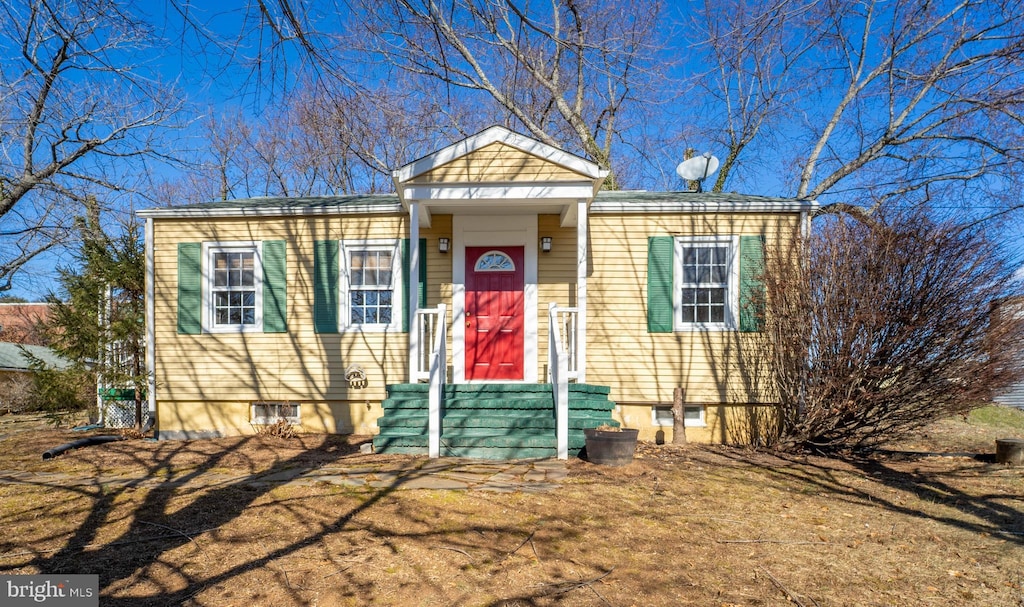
(558,369)
(426,326)
(437,375)
(566,323)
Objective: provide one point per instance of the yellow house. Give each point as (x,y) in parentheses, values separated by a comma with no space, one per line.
(533,304)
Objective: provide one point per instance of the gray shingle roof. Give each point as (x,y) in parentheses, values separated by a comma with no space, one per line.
(13,359)
(389,203)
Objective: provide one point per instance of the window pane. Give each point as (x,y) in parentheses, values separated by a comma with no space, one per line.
(692,413)
(358,263)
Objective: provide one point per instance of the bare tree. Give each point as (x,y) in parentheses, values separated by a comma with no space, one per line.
(747,89)
(883,327)
(891,101)
(75,111)
(569,73)
(572,73)
(314,142)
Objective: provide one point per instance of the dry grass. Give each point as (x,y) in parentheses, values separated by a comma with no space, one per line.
(680,526)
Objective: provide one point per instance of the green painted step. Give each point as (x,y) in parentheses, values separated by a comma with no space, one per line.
(496,421)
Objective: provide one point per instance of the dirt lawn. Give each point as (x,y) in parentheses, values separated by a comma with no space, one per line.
(695,525)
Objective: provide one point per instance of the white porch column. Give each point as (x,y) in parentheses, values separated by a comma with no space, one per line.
(581,290)
(414,288)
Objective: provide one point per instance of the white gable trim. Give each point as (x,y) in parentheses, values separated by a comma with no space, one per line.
(497,134)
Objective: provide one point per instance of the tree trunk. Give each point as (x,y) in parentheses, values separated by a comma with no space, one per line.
(678,418)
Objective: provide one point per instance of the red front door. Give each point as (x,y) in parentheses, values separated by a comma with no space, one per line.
(494,313)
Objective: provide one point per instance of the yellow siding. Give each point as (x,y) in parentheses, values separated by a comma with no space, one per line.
(221,373)
(723,423)
(715,367)
(231,417)
(497,162)
(206,382)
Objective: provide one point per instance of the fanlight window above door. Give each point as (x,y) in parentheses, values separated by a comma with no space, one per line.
(494,261)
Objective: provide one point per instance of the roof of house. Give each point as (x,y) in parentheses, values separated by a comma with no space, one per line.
(621,201)
(12,358)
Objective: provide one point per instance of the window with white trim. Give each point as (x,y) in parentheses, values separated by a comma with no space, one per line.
(370,285)
(706,282)
(234,290)
(266,413)
(693,415)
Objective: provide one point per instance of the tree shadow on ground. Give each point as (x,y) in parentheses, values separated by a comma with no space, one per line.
(134,545)
(999,514)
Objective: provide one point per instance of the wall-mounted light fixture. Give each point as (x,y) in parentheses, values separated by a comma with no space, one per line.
(545,244)
(442,245)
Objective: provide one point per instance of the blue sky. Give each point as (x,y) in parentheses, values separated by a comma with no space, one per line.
(215,78)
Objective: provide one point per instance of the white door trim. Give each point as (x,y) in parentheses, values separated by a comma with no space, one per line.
(496,230)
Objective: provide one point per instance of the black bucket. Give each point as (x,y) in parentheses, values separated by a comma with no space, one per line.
(610,448)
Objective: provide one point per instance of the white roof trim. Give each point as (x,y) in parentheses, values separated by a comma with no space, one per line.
(739,206)
(356,209)
(502,135)
(522,193)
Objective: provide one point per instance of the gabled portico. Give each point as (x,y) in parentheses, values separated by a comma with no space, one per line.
(495,185)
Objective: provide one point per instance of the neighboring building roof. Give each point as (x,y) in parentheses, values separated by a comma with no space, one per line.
(621,201)
(19,322)
(13,359)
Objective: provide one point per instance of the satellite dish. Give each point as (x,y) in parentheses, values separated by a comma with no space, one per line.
(697,168)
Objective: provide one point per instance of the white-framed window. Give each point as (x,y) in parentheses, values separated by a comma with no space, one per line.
(692,414)
(233,289)
(706,277)
(266,413)
(371,285)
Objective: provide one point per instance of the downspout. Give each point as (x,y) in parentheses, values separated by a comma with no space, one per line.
(150,326)
(581,290)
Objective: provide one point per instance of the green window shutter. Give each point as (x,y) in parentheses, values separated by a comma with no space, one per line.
(660,261)
(752,297)
(406,262)
(325,286)
(190,288)
(275,286)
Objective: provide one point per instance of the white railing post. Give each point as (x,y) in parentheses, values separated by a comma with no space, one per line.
(438,379)
(558,368)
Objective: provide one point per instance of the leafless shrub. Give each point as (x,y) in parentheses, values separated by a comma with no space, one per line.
(878,328)
(279,429)
(131,433)
(15,392)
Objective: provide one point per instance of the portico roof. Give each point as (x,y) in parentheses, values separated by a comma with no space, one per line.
(497,169)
